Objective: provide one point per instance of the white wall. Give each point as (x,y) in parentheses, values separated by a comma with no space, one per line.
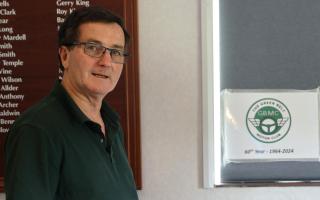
(170,78)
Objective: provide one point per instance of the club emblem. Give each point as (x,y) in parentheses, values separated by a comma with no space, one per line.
(268,120)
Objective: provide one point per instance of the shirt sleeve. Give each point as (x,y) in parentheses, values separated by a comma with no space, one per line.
(32,165)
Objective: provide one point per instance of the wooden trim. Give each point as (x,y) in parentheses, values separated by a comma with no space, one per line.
(133,93)
(1,184)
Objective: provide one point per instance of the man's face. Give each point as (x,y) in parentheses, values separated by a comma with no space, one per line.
(90,76)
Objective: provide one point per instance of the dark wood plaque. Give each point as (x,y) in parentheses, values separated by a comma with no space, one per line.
(29,64)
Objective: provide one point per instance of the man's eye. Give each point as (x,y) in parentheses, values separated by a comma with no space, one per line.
(92,47)
(115,52)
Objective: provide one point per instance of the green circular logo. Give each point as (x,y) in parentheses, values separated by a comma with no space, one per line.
(268,120)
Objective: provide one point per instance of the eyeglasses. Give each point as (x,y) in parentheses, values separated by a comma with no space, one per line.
(97,51)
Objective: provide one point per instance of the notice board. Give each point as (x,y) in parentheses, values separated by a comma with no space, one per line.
(270,44)
(29,64)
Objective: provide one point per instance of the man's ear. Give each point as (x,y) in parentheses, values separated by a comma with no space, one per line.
(64,56)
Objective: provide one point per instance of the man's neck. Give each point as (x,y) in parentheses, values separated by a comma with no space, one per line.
(90,106)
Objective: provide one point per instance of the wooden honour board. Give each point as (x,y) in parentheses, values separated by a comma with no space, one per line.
(29,65)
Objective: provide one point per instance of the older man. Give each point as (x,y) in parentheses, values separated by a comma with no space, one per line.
(70,145)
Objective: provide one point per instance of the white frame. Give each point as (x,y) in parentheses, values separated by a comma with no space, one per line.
(211,92)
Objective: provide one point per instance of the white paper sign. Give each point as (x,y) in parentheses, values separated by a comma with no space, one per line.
(270,125)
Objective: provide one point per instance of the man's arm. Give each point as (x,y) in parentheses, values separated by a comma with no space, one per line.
(32,165)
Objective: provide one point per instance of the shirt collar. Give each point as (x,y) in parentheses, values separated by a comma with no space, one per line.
(109,116)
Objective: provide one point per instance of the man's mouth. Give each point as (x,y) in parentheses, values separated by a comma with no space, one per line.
(100,75)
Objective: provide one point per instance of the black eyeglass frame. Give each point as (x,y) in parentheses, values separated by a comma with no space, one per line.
(110,50)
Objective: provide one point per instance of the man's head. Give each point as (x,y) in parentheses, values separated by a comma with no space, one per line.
(92,51)
(69,30)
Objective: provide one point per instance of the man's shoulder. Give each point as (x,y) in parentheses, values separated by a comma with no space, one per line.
(45,112)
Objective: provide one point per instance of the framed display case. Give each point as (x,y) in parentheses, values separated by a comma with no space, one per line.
(268,47)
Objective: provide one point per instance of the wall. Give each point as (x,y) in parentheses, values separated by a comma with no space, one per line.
(170,78)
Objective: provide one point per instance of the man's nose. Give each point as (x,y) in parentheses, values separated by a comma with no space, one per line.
(106,58)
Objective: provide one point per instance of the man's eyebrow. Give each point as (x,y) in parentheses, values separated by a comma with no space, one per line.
(94,41)
(116,46)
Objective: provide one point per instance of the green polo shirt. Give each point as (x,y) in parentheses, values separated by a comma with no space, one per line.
(54,152)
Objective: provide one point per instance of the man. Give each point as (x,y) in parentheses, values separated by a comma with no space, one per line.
(70,145)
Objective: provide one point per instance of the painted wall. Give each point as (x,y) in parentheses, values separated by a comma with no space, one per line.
(170,73)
